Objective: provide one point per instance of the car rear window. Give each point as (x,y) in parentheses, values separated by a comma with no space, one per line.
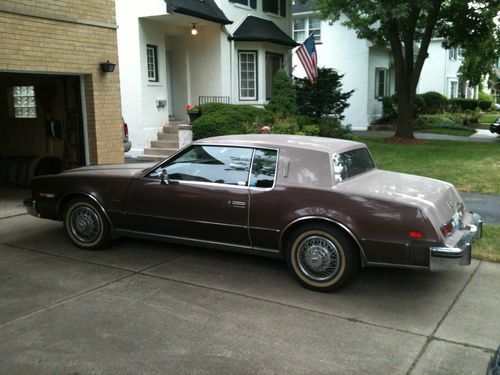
(351,163)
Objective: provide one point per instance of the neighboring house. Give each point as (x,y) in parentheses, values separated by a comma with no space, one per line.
(55,100)
(440,73)
(178,52)
(367,69)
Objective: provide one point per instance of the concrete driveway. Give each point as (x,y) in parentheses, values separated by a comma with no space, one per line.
(144,307)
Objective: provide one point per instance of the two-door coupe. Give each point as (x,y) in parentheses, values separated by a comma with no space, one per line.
(320,203)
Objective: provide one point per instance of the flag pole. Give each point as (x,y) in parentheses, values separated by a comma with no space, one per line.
(294,52)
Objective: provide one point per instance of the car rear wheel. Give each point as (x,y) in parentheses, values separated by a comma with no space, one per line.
(321,257)
(86,225)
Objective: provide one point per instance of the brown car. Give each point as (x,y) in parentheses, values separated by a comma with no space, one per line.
(318,202)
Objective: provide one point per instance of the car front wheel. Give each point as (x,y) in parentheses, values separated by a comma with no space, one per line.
(86,225)
(321,257)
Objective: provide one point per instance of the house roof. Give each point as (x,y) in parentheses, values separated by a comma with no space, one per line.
(302,8)
(206,9)
(254,29)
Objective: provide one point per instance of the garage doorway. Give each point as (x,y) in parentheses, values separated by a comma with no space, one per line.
(41,128)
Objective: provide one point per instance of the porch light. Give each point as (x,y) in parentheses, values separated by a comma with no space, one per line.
(194,31)
(107,67)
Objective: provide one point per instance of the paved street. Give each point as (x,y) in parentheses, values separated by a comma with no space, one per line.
(149,307)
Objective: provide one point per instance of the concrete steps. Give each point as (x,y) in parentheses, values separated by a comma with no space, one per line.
(167,143)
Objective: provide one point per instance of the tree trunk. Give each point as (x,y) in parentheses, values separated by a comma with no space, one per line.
(406,108)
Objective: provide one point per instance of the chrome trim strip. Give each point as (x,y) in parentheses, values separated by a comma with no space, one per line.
(270,230)
(408,266)
(195,241)
(343,226)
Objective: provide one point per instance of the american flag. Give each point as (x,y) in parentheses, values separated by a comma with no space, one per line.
(309,58)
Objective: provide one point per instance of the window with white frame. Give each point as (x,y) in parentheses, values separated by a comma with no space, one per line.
(275,6)
(381,83)
(454,53)
(453,89)
(305,26)
(22,102)
(250,3)
(274,62)
(152,63)
(247,61)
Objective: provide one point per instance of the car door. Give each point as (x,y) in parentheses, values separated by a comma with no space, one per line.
(204,198)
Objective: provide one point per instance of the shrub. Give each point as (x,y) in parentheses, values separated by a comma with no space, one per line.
(420,104)
(332,128)
(389,107)
(224,119)
(434,102)
(312,130)
(285,126)
(283,96)
(462,104)
(324,97)
(485,104)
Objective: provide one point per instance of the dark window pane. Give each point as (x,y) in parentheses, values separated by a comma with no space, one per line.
(351,163)
(224,165)
(263,168)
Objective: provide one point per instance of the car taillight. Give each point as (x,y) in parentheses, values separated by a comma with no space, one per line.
(447,229)
(125,129)
(416,234)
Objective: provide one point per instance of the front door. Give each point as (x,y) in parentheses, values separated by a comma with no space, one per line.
(205,196)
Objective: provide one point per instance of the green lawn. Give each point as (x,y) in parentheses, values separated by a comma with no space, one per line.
(484,126)
(470,166)
(488,118)
(488,247)
(459,132)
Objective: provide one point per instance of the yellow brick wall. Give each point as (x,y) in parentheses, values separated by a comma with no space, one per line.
(38,44)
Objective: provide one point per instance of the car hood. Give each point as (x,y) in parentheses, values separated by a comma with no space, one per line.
(111,169)
(438,199)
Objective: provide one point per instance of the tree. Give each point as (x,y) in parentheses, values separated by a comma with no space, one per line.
(283,97)
(324,97)
(408,26)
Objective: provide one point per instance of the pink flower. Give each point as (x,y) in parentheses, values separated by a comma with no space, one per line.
(188,107)
(265,129)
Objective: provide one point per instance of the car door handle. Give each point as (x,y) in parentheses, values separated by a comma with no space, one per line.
(239,204)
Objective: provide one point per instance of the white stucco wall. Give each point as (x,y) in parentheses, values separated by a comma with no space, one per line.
(340,49)
(378,58)
(439,70)
(138,97)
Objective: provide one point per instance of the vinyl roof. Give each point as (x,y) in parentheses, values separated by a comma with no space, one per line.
(320,144)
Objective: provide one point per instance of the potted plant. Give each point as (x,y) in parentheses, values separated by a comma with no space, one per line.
(193,112)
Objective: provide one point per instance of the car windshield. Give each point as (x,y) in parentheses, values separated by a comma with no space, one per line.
(351,163)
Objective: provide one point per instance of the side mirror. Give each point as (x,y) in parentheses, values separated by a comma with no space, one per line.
(164,177)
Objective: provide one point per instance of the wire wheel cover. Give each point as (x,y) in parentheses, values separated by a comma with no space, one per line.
(318,258)
(85,224)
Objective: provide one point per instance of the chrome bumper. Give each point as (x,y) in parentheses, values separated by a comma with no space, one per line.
(460,255)
(31,208)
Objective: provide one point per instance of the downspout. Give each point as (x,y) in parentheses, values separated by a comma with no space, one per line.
(231,59)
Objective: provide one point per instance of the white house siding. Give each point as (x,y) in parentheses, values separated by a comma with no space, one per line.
(439,71)
(341,50)
(379,59)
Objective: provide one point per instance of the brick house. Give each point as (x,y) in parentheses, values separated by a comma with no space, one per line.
(55,99)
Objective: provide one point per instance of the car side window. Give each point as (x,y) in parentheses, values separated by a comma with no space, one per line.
(263,168)
(213,164)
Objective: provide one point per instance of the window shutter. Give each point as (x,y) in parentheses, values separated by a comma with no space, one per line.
(270,6)
(283,8)
(253,4)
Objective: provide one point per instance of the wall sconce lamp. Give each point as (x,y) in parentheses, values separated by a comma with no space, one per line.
(107,67)
(194,31)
